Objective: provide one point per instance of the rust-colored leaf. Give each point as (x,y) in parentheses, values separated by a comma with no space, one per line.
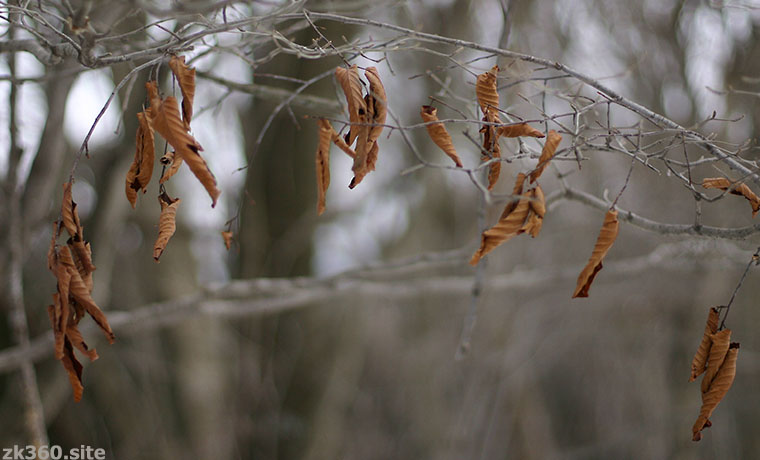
(719,344)
(532,225)
(538,204)
(167,122)
(69,212)
(494,169)
(77,341)
(505,229)
(516,196)
(141,170)
(79,291)
(357,108)
(323,163)
(740,189)
(342,145)
(485,89)
(718,389)
(186,79)
(171,162)
(518,130)
(69,361)
(363,147)
(377,103)
(82,260)
(699,363)
(227,239)
(550,146)
(603,244)
(439,135)
(491,145)
(166,223)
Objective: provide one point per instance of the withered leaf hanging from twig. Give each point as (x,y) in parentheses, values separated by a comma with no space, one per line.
(516,196)
(604,242)
(550,146)
(141,169)
(186,79)
(166,120)
(699,363)
(719,343)
(504,230)
(166,223)
(352,88)
(717,390)
(740,189)
(322,160)
(439,135)
(485,89)
(519,130)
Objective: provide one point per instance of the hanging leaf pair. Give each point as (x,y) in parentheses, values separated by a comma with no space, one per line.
(488,99)
(715,357)
(72,266)
(367,115)
(523,214)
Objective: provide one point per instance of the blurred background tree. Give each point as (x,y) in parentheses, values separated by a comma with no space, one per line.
(364,333)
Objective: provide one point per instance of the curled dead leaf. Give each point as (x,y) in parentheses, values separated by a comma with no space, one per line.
(69,212)
(171,162)
(504,230)
(719,344)
(699,363)
(485,89)
(323,163)
(516,196)
(604,242)
(166,223)
(166,120)
(717,391)
(70,363)
(377,103)
(141,170)
(186,78)
(518,130)
(438,133)
(740,189)
(352,87)
(227,239)
(550,146)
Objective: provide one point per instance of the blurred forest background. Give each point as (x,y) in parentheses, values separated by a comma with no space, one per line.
(364,333)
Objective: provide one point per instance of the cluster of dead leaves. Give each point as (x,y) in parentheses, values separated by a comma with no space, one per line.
(172,122)
(367,113)
(71,263)
(716,357)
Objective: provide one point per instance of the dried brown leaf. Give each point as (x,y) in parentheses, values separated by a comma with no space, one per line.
(494,169)
(77,341)
(718,389)
(439,134)
(532,225)
(69,361)
(604,242)
(377,103)
(342,145)
(361,165)
(719,344)
(516,192)
(485,89)
(82,260)
(173,161)
(518,130)
(79,291)
(323,162)
(740,189)
(227,239)
(168,123)
(166,224)
(491,145)
(550,146)
(186,79)
(505,229)
(538,204)
(699,363)
(69,212)
(141,170)
(352,87)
